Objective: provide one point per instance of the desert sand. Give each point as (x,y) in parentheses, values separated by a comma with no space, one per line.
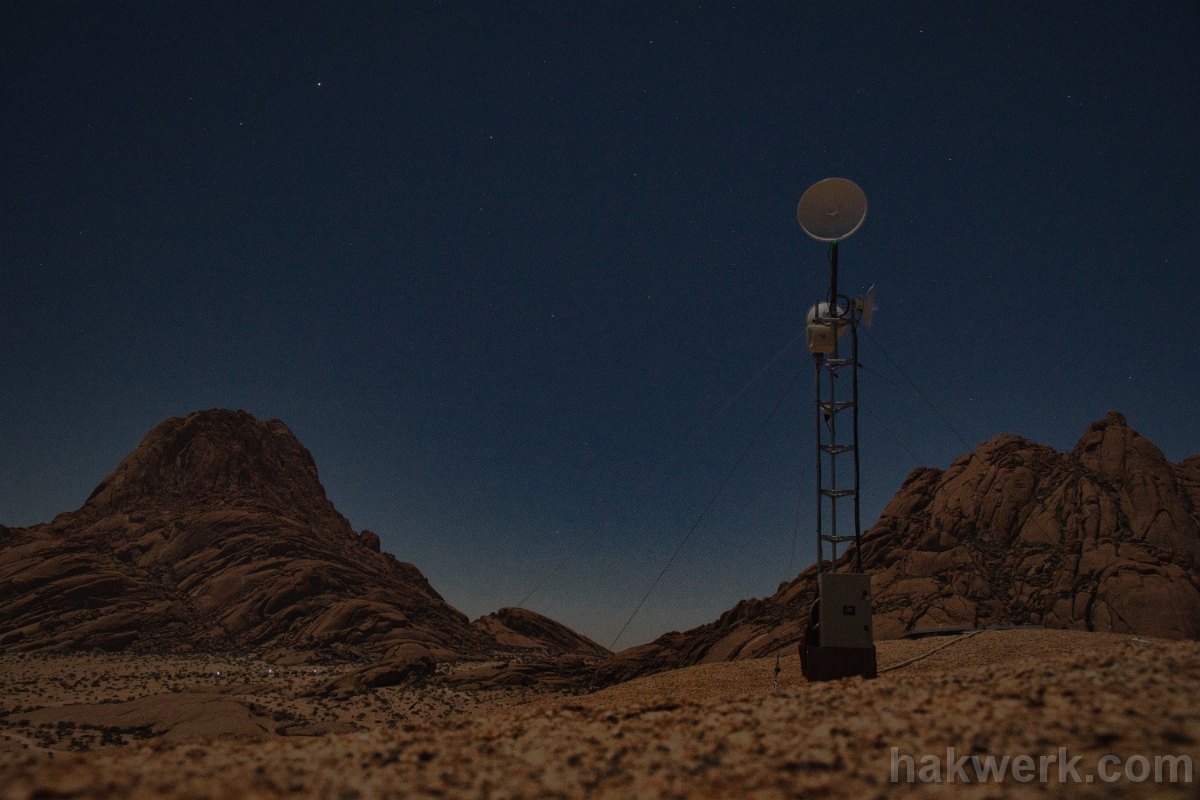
(114,726)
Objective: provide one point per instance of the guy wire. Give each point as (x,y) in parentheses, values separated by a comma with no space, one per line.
(918,391)
(884,426)
(657,472)
(712,500)
(791,561)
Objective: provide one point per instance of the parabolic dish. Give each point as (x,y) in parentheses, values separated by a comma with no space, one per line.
(832,209)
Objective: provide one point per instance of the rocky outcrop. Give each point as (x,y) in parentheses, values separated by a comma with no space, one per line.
(1104,538)
(216,534)
(175,717)
(380,674)
(569,671)
(523,629)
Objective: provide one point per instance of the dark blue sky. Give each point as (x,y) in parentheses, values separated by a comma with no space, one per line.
(494,263)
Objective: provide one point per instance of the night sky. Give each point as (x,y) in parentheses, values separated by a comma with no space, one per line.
(495,263)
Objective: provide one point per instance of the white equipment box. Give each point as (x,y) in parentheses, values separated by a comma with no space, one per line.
(845,609)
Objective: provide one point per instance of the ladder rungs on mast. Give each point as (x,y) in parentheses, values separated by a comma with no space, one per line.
(836,449)
(836,493)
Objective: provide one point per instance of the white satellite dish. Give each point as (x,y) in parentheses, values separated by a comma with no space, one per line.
(832,209)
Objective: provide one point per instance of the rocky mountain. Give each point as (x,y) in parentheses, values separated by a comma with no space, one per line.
(215,534)
(1104,538)
(523,629)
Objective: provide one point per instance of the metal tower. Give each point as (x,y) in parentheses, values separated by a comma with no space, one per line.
(837,315)
(839,640)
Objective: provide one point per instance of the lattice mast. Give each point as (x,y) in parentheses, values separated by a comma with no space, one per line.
(831,211)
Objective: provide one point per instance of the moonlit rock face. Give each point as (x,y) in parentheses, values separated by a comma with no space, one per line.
(216,534)
(1104,538)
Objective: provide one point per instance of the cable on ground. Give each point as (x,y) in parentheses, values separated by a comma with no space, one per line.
(955,640)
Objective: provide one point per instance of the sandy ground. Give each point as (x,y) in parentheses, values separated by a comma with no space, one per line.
(717,730)
(81,702)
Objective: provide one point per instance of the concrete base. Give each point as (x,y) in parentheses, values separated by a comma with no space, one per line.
(831,663)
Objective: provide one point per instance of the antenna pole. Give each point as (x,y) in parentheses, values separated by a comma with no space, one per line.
(833,278)
(820,505)
(833,445)
(854,376)
(829,404)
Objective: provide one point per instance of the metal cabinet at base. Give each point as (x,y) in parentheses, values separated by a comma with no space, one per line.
(845,609)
